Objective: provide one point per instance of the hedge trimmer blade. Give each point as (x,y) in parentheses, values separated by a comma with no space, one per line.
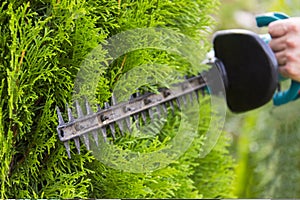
(122,115)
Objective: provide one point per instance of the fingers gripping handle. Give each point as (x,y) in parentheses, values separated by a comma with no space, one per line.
(266,19)
(292,93)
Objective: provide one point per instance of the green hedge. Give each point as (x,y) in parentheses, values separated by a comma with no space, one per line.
(42,45)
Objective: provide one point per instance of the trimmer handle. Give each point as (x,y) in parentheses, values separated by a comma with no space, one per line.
(292,93)
(267,18)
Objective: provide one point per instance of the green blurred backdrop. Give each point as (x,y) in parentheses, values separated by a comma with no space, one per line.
(264,142)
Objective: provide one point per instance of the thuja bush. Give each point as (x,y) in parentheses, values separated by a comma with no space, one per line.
(43,44)
(38,44)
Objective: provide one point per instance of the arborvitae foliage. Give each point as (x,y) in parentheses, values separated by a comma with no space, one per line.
(41,48)
(42,45)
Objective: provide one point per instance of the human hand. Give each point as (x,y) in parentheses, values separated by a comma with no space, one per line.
(286,45)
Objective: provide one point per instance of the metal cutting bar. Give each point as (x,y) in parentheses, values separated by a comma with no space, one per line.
(102,118)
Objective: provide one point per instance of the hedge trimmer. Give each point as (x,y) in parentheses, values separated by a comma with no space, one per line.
(245,62)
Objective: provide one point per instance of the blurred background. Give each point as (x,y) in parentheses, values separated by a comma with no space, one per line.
(264,142)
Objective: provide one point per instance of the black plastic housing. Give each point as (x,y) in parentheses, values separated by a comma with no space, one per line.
(250,68)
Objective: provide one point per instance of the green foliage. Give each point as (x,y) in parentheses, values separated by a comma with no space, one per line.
(42,45)
(274,154)
(216,173)
(38,69)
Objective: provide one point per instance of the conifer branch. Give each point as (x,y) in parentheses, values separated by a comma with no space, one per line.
(21,59)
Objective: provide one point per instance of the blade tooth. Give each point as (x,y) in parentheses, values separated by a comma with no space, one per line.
(67,146)
(150,111)
(137,124)
(88,108)
(98,108)
(95,136)
(178,102)
(136,119)
(60,118)
(113,99)
(106,105)
(113,130)
(172,105)
(131,97)
(164,108)
(203,90)
(104,134)
(70,115)
(144,117)
(79,110)
(121,127)
(197,94)
(191,97)
(158,111)
(184,100)
(86,141)
(77,144)
(128,123)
